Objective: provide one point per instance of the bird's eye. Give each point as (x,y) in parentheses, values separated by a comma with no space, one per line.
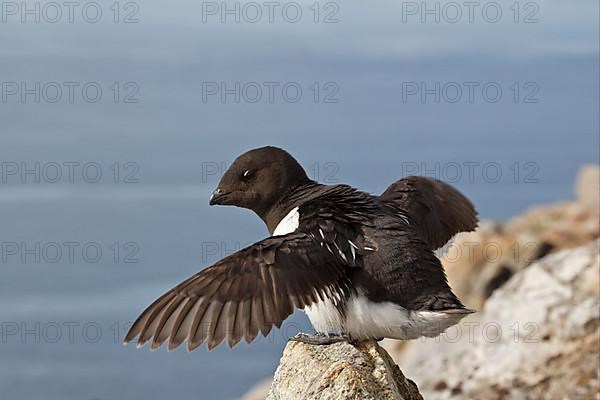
(246,173)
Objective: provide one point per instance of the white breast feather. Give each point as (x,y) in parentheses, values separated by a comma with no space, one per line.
(288,224)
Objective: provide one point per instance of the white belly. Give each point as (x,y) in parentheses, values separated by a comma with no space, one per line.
(365,319)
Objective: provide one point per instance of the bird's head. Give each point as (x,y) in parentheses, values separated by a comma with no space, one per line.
(258,179)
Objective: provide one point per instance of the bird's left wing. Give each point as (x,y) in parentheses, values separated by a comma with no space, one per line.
(244,293)
(436,210)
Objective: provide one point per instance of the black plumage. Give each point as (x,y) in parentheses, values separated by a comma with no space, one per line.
(345,240)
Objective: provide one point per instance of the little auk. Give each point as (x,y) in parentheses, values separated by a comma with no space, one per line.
(361,266)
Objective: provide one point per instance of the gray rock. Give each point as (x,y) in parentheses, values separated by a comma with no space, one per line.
(340,371)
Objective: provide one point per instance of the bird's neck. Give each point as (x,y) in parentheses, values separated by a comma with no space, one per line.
(290,199)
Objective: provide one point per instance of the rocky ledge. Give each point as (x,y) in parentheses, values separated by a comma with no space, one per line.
(340,371)
(537,337)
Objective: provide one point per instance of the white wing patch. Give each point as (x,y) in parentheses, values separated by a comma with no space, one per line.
(288,224)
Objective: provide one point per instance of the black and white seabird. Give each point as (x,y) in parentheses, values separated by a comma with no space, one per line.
(360,266)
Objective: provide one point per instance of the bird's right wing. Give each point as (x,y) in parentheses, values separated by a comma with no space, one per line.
(244,293)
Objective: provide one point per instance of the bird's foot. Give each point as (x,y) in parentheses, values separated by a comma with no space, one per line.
(319,338)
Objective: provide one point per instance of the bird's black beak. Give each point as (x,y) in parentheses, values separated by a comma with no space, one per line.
(217,197)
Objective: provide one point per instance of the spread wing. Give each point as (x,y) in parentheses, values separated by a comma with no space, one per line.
(244,293)
(250,291)
(437,210)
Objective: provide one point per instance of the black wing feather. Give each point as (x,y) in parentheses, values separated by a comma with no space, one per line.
(242,294)
(436,210)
